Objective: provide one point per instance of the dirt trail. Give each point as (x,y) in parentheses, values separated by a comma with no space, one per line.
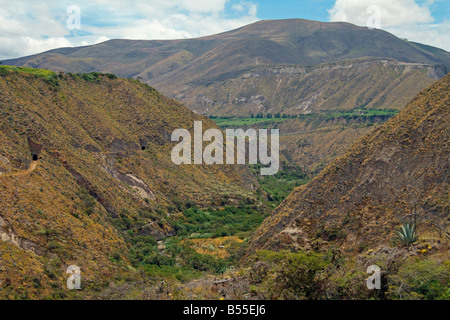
(32,167)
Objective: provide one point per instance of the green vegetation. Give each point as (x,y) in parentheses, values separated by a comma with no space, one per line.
(4,70)
(407,234)
(363,114)
(178,260)
(287,275)
(52,78)
(228,122)
(49,77)
(92,76)
(213,223)
(421,279)
(308,275)
(280,185)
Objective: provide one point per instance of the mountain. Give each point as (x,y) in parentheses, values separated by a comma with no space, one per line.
(360,199)
(294,90)
(85,161)
(290,66)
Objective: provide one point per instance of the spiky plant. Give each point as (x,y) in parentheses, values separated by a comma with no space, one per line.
(407,234)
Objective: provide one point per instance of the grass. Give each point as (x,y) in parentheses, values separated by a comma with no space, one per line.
(21,70)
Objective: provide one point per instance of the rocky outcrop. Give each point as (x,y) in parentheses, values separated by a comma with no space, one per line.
(9,236)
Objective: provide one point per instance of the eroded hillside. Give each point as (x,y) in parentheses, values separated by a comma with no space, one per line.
(293,89)
(361,198)
(84,158)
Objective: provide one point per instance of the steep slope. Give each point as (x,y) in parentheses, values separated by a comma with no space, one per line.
(209,69)
(362,197)
(293,90)
(83,157)
(312,144)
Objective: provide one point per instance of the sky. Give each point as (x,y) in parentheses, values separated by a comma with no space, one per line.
(32,26)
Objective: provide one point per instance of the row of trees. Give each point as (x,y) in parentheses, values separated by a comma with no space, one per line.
(270,115)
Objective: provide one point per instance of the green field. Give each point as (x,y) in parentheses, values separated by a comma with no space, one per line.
(244,122)
(235,122)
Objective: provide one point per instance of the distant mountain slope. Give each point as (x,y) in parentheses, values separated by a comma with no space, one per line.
(293,90)
(362,197)
(82,158)
(197,70)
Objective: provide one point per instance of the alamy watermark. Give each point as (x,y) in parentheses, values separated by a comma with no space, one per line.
(74,281)
(213,153)
(374,19)
(374,281)
(73,21)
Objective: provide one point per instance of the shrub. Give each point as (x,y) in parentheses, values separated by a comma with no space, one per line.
(52,81)
(421,279)
(289,275)
(407,234)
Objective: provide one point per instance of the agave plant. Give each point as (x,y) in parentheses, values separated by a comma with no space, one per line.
(407,234)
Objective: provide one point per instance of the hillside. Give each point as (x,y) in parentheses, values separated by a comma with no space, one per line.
(84,161)
(266,67)
(361,198)
(319,243)
(294,90)
(312,143)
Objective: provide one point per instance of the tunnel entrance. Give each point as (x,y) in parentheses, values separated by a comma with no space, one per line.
(143,148)
(35,157)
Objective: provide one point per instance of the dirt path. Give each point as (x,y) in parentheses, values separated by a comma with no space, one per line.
(32,167)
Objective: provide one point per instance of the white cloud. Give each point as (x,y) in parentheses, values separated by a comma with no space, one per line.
(436,35)
(393,12)
(31,27)
(243,6)
(404,18)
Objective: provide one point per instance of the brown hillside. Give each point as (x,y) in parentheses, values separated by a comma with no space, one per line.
(363,196)
(292,90)
(91,178)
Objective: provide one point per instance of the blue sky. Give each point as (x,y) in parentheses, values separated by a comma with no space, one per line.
(28,27)
(318,9)
(285,9)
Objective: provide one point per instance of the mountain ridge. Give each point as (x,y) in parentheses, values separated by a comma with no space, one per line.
(177,67)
